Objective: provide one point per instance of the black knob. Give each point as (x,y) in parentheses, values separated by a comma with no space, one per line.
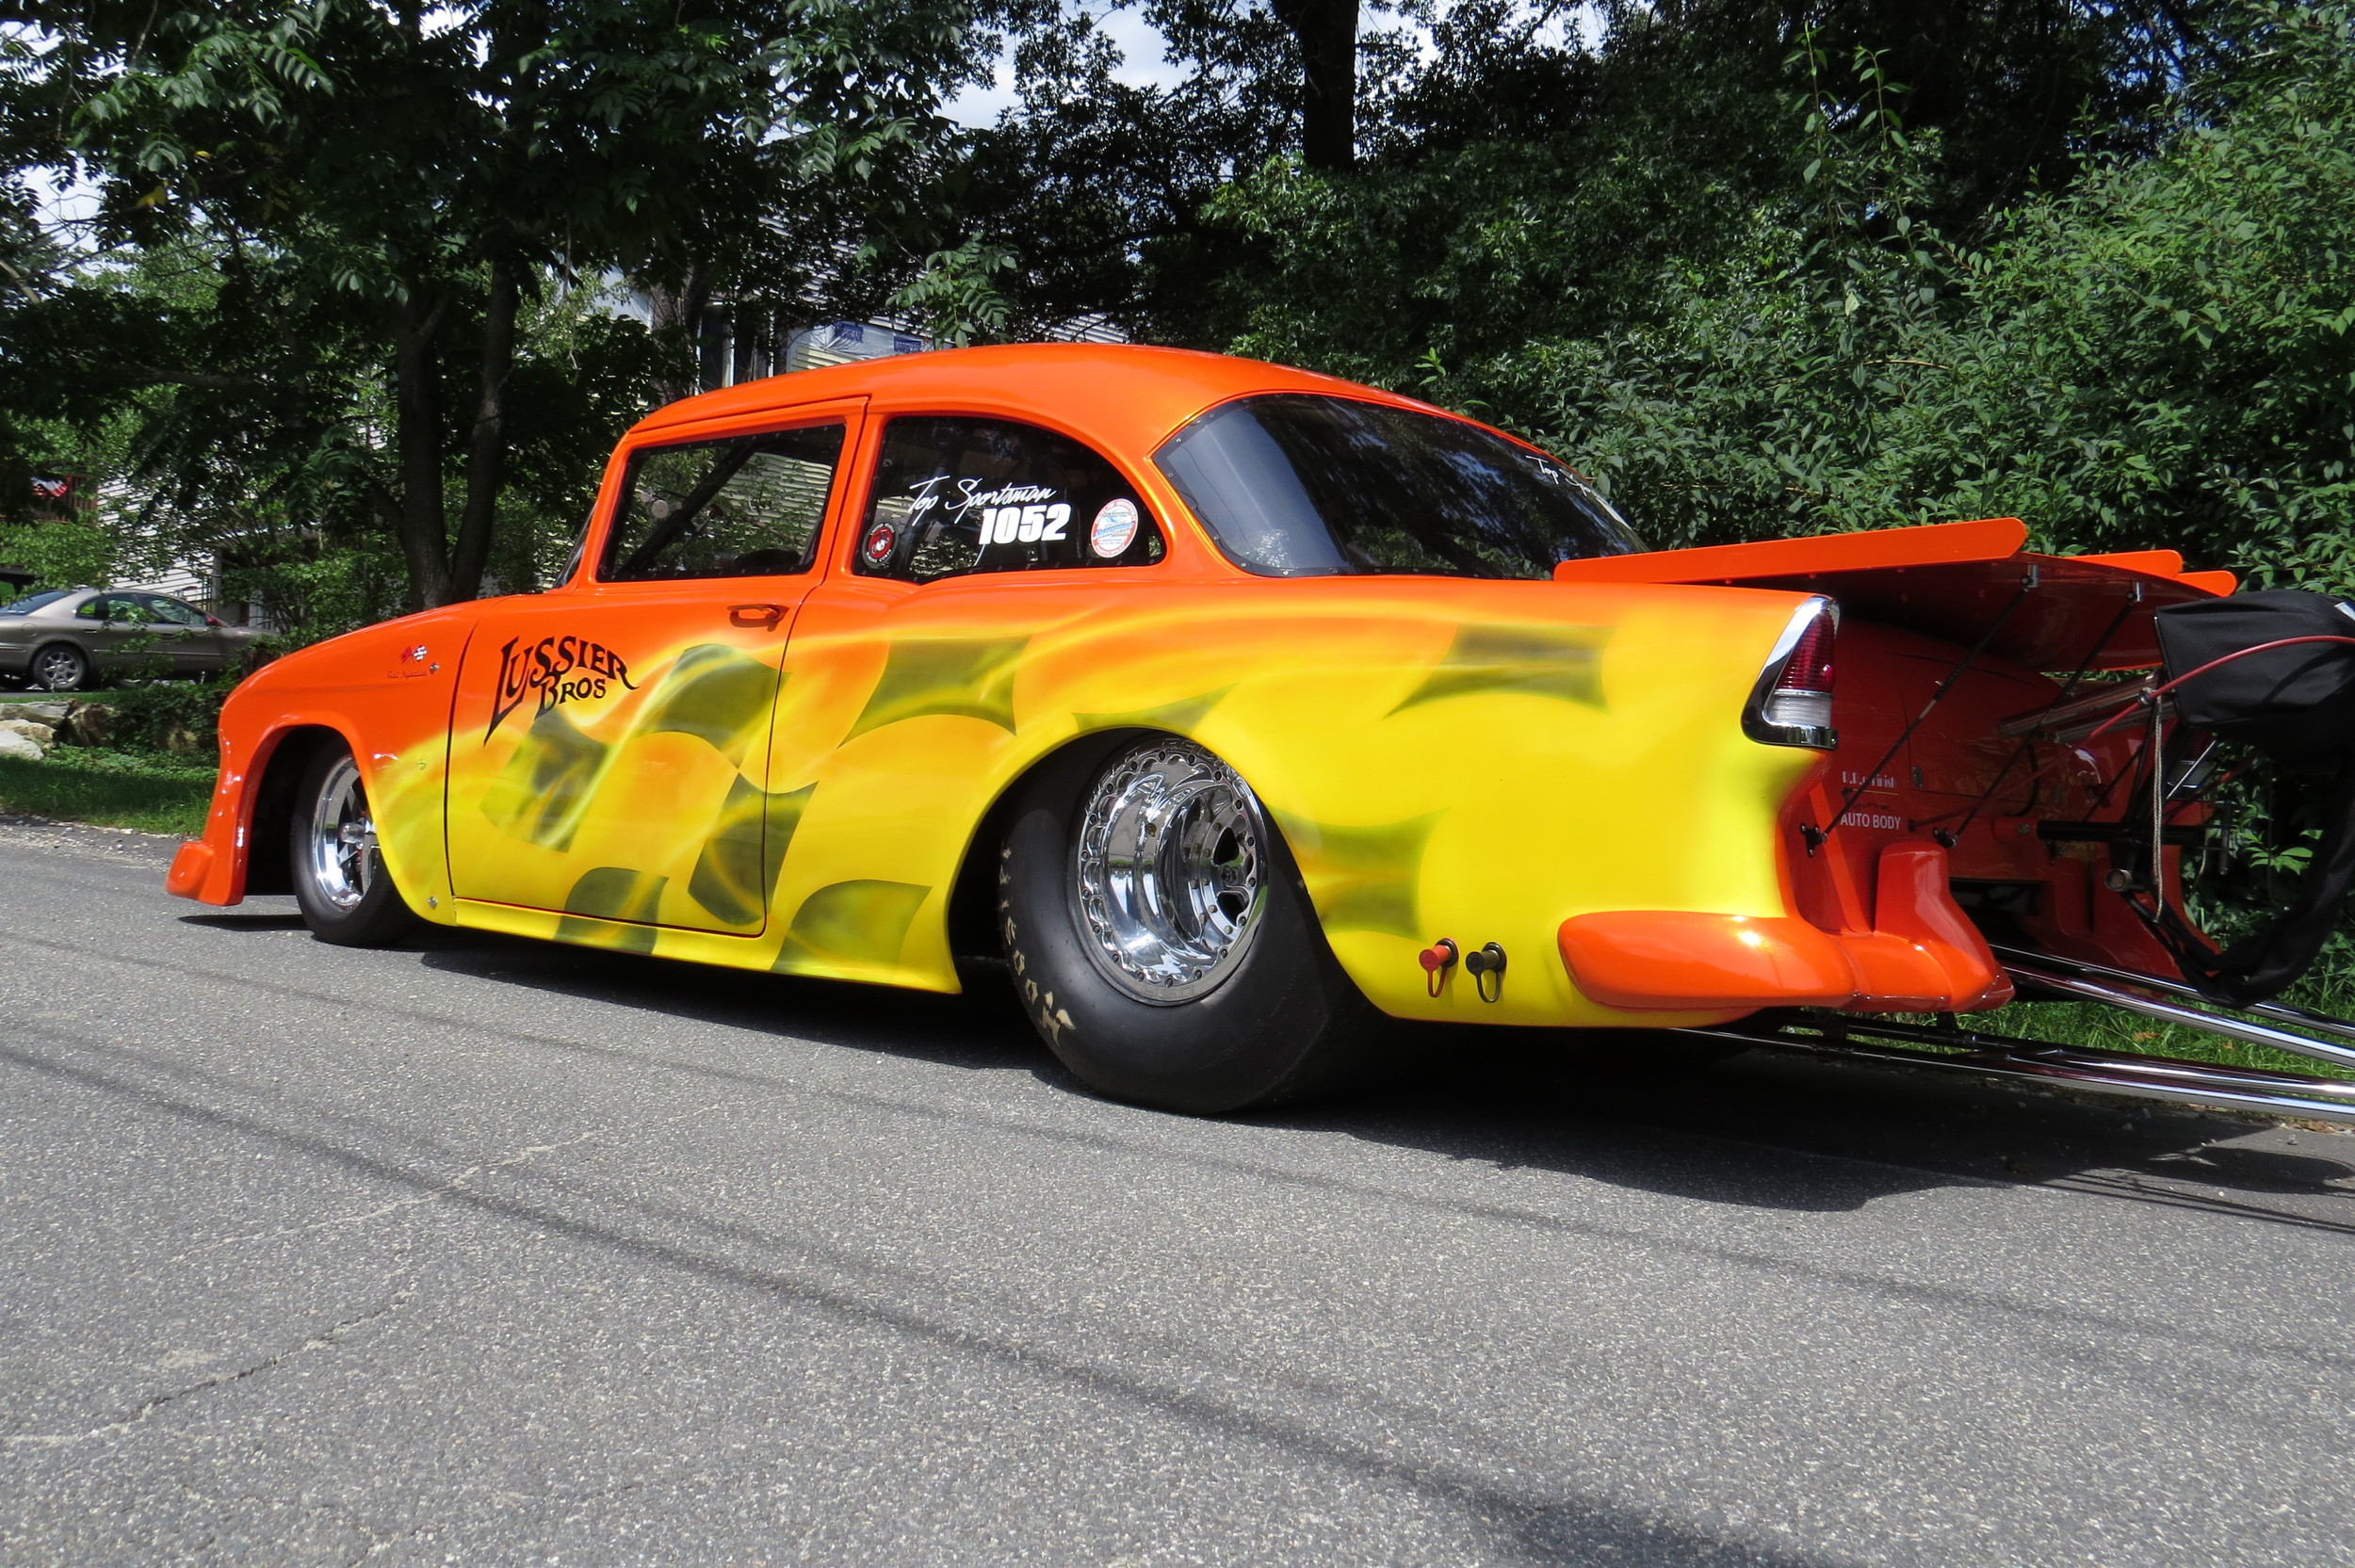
(1487,961)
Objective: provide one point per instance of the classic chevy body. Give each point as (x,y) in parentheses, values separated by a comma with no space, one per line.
(1229,706)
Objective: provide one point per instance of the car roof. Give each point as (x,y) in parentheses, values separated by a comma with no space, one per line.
(1126,393)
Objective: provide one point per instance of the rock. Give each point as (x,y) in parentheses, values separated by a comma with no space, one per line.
(19,747)
(40,734)
(51,714)
(92,723)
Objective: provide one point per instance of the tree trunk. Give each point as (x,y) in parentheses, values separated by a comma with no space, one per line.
(1327,31)
(417,513)
(486,443)
(678,320)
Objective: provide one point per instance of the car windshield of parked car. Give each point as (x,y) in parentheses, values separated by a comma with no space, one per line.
(1291,485)
(29,604)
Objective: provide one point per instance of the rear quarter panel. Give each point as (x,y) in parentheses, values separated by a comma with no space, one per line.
(1474,760)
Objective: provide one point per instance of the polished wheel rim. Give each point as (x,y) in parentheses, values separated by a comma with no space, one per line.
(343,839)
(1169,876)
(59,670)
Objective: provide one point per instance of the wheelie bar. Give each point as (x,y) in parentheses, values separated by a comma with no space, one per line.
(1959,1050)
(2042,968)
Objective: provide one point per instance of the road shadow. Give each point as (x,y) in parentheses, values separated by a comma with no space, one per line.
(1762,1129)
(1776,1130)
(243,920)
(981,1031)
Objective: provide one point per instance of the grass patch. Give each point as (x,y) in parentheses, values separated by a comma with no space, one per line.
(113,790)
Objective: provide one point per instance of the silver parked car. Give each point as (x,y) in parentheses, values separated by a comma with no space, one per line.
(63,640)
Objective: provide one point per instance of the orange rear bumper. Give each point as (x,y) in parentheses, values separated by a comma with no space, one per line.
(1923,955)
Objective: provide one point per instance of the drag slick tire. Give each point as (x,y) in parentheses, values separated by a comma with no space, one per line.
(1160,940)
(347,898)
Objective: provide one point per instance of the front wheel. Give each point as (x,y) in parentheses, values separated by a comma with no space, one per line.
(60,666)
(339,876)
(1160,940)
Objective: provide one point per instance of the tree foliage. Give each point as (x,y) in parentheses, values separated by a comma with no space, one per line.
(344,218)
(2156,354)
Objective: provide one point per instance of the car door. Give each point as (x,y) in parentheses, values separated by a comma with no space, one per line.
(116,630)
(185,635)
(610,743)
(900,697)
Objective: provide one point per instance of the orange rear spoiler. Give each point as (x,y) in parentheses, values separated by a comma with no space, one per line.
(1952,580)
(1929,544)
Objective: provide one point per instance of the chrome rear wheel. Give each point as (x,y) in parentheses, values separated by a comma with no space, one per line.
(1159,935)
(1169,872)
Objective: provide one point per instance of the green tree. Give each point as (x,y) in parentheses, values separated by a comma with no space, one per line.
(367,201)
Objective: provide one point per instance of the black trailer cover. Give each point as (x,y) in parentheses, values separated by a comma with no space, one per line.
(2297,704)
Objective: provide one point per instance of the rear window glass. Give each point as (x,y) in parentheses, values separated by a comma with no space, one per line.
(956,496)
(1293,485)
(29,604)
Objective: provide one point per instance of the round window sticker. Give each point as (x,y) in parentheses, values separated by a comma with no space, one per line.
(1114,529)
(880,539)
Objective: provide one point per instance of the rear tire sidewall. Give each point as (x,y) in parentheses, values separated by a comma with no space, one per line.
(381,917)
(34,677)
(1284,1024)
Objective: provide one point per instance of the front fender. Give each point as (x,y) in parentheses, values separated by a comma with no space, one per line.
(384,691)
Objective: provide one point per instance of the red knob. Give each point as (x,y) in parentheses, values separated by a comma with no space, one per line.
(1436,959)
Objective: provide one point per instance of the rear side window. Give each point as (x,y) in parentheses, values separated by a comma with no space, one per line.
(956,496)
(746,506)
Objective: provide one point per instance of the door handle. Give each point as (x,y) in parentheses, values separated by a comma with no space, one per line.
(763,616)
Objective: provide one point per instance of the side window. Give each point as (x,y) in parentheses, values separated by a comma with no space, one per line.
(954,495)
(92,609)
(172,612)
(746,506)
(114,607)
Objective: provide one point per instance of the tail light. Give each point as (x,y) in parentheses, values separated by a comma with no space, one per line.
(1791,706)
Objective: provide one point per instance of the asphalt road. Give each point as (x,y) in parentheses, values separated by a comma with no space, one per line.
(485,1251)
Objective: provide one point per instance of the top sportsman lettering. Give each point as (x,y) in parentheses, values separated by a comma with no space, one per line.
(560,668)
(1011,514)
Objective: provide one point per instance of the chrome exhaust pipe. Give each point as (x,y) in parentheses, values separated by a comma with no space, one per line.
(2167,1078)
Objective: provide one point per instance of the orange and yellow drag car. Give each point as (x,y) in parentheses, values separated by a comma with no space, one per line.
(1232,707)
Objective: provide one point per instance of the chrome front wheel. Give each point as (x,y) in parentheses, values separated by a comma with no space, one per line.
(347,898)
(343,858)
(1169,872)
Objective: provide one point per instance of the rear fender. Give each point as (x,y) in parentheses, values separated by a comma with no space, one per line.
(1478,761)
